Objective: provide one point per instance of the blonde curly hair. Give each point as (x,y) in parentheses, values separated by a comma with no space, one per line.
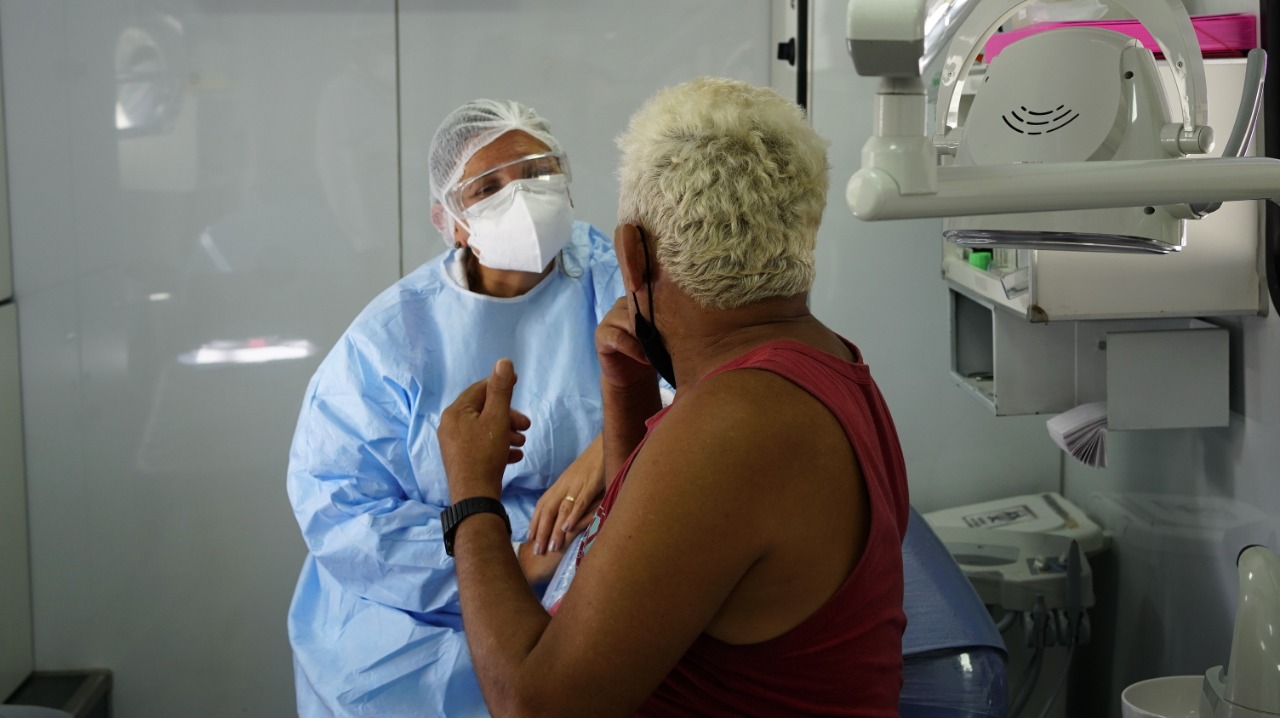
(731,181)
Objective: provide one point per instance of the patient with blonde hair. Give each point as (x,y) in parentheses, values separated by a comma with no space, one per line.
(746,559)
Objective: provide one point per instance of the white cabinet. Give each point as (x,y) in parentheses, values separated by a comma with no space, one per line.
(15,574)
(1009,364)
(1153,373)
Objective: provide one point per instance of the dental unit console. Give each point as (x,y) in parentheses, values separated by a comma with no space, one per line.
(1018,554)
(1069,144)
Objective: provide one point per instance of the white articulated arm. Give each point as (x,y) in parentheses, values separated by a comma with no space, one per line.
(1012,189)
(1166,20)
(900,177)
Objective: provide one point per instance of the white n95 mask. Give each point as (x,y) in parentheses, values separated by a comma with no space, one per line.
(523,226)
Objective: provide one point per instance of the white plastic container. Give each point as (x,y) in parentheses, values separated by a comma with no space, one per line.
(1164,697)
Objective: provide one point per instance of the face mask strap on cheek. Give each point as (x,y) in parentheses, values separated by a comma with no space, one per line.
(452,222)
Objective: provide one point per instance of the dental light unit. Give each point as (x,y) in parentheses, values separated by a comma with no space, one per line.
(1044,145)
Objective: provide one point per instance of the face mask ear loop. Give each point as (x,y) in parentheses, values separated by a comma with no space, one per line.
(456,219)
(648,278)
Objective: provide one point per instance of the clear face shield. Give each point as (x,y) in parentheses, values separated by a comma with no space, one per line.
(518,214)
(551,168)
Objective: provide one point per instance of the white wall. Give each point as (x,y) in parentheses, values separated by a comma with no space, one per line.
(16,644)
(584,65)
(264,204)
(879,284)
(15,567)
(1181,505)
(162,543)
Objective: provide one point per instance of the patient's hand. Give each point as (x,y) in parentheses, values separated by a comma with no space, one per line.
(538,568)
(558,518)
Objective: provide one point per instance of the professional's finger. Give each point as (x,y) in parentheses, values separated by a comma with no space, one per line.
(541,535)
(544,514)
(558,536)
(566,510)
(567,521)
(534,520)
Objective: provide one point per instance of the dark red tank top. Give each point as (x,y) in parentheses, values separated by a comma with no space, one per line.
(846,658)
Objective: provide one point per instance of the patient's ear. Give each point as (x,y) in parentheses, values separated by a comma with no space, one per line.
(628,244)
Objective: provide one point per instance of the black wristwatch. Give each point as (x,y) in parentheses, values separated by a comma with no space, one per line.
(452,516)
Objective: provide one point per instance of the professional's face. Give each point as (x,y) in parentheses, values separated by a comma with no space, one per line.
(507,148)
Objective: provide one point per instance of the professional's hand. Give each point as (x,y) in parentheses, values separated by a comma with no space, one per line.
(538,568)
(480,433)
(567,507)
(623,364)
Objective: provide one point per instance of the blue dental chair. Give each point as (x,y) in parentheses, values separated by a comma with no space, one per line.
(953,655)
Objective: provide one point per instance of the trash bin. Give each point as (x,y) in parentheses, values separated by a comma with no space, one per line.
(61,694)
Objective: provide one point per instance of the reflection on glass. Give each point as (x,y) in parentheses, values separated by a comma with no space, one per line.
(248,351)
(941,22)
(210,248)
(148,85)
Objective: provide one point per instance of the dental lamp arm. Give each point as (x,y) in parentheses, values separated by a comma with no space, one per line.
(873,193)
(1246,126)
(900,38)
(900,177)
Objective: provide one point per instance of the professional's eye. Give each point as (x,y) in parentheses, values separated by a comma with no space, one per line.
(483,189)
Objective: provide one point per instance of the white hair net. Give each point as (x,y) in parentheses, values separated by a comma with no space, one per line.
(465,131)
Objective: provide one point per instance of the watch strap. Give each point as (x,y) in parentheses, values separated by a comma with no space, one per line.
(453,515)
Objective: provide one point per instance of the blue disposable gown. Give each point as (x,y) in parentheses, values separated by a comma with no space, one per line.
(375,623)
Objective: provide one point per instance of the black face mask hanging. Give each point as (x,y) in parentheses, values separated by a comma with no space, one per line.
(646,333)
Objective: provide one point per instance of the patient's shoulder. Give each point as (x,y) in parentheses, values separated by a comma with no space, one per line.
(749,397)
(745,419)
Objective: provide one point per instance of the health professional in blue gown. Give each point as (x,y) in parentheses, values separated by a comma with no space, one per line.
(375,622)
